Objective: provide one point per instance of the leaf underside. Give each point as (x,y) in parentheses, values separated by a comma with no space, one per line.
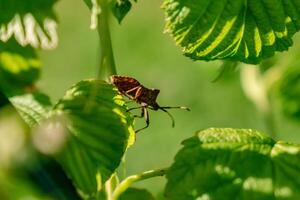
(99,130)
(226,164)
(136,194)
(242,30)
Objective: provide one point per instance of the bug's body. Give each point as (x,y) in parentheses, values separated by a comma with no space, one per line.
(146,97)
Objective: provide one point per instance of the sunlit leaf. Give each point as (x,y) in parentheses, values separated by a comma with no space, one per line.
(248,31)
(99,129)
(19,69)
(32,107)
(19,66)
(234,164)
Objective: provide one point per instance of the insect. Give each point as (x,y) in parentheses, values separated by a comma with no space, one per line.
(146,97)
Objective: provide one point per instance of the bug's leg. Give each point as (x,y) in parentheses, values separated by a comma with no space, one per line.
(172,118)
(138,93)
(180,107)
(142,114)
(146,115)
(134,108)
(132,89)
(142,105)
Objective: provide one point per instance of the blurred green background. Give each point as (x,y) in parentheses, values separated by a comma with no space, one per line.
(142,51)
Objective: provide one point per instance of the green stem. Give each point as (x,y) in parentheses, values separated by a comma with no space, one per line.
(126,183)
(110,186)
(269,122)
(107,63)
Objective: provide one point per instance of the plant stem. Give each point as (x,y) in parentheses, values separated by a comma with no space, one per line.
(126,183)
(269,122)
(107,63)
(110,186)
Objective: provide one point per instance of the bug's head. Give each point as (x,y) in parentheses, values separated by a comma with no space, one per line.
(152,95)
(155,92)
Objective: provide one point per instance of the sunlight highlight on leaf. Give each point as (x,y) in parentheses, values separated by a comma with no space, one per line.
(27,31)
(247,31)
(95,11)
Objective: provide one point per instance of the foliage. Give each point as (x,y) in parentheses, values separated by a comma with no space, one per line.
(234,164)
(32,107)
(98,129)
(17,188)
(89,130)
(30,22)
(19,65)
(247,31)
(136,194)
(120,8)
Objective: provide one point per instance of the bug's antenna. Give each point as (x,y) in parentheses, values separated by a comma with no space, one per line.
(172,118)
(180,107)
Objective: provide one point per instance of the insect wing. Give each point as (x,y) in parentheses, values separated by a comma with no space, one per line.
(125,84)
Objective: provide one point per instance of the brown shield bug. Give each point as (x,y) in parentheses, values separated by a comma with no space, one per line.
(146,97)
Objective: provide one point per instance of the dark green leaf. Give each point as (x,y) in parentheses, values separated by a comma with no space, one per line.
(136,194)
(3,100)
(99,130)
(225,164)
(120,9)
(17,188)
(247,31)
(32,107)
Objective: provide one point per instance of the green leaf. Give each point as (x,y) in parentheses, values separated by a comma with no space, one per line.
(289,92)
(32,107)
(19,69)
(120,9)
(230,164)
(136,194)
(19,66)
(99,131)
(30,22)
(247,31)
